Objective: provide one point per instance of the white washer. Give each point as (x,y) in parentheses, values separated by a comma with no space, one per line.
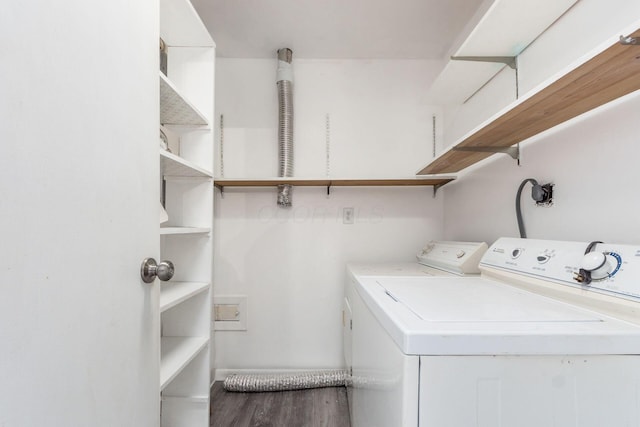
(522,345)
(436,259)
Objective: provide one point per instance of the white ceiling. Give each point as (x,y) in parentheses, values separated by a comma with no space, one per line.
(371,29)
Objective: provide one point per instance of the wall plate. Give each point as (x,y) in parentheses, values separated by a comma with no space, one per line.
(239,323)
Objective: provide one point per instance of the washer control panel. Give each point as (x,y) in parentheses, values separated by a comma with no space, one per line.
(613,269)
(454,257)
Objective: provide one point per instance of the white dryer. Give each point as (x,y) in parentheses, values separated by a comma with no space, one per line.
(436,259)
(522,345)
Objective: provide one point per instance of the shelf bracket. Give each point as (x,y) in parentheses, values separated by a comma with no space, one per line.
(513,151)
(329,190)
(436,187)
(629,41)
(511,61)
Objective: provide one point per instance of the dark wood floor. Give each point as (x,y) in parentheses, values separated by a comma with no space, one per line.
(320,407)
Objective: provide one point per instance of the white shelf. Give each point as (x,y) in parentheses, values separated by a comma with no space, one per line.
(165,231)
(173,293)
(501,28)
(176,354)
(175,109)
(172,165)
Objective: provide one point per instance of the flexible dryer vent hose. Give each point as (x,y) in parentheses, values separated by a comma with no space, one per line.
(284,80)
(285,382)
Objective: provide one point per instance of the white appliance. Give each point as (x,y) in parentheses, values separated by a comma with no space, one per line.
(524,344)
(436,259)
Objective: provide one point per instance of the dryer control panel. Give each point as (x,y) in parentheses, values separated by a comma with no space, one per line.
(613,269)
(454,257)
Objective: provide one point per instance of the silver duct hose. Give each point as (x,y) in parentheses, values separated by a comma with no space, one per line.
(284,79)
(285,382)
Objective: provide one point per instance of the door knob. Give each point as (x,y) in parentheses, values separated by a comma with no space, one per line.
(150,269)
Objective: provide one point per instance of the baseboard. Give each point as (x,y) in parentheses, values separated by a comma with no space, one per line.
(221,374)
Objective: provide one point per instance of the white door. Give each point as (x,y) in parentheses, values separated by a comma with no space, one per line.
(79,334)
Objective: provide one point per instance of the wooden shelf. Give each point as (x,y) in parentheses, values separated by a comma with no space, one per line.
(612,73)
(334,182)
(175,109)
(176,166)
(502,28)
(176,353)
(173,293)
(165,231)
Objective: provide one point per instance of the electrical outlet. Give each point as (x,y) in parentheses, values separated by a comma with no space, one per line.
(547,195)
(347,216)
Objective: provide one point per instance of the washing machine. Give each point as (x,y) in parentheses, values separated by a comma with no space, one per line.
(546,336)
(436,259)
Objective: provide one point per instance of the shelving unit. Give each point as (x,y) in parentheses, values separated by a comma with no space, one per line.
(612,71)
(498,33)
(186,110)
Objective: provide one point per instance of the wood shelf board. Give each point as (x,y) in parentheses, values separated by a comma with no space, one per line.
(324,182)
(613,73)
(165,231)
(176,109)
(176,353)
(176,166)
(173,293)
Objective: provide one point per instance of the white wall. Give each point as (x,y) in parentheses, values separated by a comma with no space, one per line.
(586,25)
(291,262)
(591,159)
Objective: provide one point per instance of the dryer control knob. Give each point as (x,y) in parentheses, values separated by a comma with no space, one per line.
(460,254)
(598,264)
(593,261)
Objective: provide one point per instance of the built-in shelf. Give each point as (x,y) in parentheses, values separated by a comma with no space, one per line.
(607,75)
(165,231)
(186,112)
(176,166)
(334,182)
(500,29)
(176,353)
(175,109)
(173,293)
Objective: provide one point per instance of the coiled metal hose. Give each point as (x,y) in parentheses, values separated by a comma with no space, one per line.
(285,124)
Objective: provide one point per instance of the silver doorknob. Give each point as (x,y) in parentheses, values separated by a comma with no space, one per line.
(150,269)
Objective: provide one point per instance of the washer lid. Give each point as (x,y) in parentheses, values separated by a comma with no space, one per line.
(473,316)
(454,300)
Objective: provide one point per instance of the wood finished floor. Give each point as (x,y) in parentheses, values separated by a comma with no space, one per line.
(320,407)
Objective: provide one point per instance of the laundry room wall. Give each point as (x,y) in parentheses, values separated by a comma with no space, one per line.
(592,160)
(290,263)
